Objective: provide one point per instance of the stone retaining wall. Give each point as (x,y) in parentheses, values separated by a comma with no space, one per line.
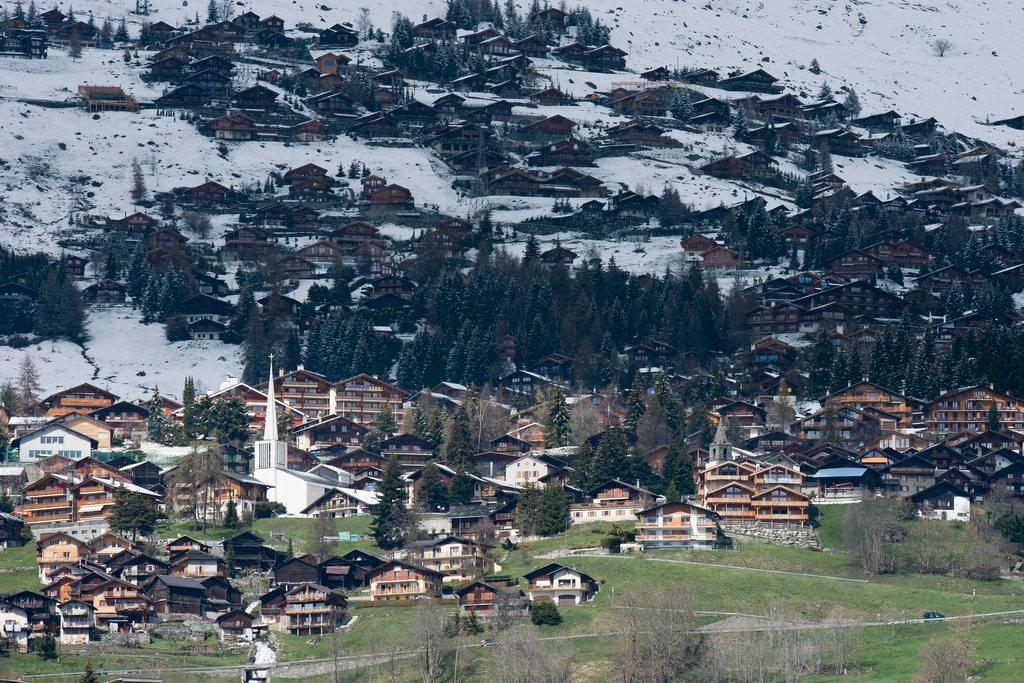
(794,537)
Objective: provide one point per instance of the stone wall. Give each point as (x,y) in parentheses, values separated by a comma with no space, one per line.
(794,537)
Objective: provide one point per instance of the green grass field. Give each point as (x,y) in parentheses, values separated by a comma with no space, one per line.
(753,578)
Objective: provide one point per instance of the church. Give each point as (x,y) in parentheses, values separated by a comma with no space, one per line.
(294,489)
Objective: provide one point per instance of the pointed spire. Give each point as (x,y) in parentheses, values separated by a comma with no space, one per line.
(721,436)
(270,416)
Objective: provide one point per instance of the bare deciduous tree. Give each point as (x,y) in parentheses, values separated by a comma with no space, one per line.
(942,46)
(431,639)
(656,639)
(520,658)
(197,222)
(868,532)
(947,660)
(322,538)
(841,640)
(584,421)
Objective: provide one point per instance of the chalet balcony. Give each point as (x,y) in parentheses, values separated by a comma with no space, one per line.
(728,500)
(711,536)
(42,493)
(72,402)
(64,517)
(49,505)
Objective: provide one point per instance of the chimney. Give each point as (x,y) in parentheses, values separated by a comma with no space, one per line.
(300,367)
(280,372)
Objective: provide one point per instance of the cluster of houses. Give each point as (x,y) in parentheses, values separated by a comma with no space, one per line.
(109,585)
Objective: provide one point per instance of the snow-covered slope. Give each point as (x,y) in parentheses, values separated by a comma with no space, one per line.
(882,48)
(125,357)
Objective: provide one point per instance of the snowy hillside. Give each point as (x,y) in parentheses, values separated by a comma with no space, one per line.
(882,48)
(55,162)
(125,357)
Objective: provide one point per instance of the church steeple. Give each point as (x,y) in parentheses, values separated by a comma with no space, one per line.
(271,453)
(270,416)
(721,449)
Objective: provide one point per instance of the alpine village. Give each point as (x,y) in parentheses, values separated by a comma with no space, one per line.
(464,340)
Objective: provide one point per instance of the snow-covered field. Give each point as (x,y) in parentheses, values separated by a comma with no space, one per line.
(125,357)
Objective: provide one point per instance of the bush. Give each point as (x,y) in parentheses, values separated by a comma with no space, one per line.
(545,613)
(177,329)
(983,572)
(267,509)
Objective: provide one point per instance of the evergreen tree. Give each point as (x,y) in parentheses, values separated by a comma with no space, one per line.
(59,309)
(553,511)
(611,458)
(29,390)
(814,68)
(432,495)
(89,675)
(558,423)
(390,524)
(137,276)
(156,421)
(462,489)
(992,419)
(241,318)
(46,647)
(852,103)
(677,470)
(122,35)
(826,92)
(230,515)
(636,403)
(545,613)
(458,449)
(526,513)
(212,13)
(532,253)
(138,180)
(132,513)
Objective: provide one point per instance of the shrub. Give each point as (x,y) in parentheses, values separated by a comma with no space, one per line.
(983,572)
(545,613)
(267,509)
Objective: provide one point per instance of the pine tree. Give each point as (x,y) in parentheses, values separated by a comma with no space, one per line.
(138,181)
(231,515)
(212,14)
(558,423)
(156,421)
(122,35)
(432,495)
(29,389)
(814,68)
(526,513)
(241,318)
(852,103)
(532,253)
(826,92)
(390,524)
(553,511)
(636,403)
(610,460)
(59,309)
(992,422)
(462,488)
(458,449)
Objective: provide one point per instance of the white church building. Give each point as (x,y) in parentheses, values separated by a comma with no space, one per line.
(294,489)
